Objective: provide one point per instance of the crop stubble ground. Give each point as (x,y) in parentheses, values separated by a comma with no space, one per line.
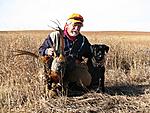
(127,76)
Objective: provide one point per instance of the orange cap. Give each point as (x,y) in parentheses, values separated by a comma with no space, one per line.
(76,18)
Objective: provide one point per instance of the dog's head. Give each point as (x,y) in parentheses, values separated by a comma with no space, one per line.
(99,52)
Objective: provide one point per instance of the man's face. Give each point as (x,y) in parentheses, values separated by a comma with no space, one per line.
(73,29)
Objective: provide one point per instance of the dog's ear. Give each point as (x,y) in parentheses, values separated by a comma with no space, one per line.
(106,48)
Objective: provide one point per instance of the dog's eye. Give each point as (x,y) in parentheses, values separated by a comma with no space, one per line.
(100,47)
(99,53)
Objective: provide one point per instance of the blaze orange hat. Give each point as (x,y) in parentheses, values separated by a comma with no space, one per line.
(76,18)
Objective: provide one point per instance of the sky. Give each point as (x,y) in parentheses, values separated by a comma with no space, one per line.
(99,15)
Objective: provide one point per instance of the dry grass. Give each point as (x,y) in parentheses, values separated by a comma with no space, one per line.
(127,76)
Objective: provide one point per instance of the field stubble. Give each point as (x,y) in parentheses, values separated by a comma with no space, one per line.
(127,76)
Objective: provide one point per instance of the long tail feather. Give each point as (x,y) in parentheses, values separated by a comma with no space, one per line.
(23,52)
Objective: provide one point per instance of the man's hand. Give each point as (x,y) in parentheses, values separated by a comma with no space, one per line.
(50,51)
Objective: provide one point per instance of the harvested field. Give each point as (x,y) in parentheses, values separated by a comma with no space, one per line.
(127,76)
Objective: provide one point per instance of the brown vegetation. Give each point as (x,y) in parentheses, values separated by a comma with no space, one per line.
(127,76)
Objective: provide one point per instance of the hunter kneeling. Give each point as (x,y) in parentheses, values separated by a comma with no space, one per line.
(72,46)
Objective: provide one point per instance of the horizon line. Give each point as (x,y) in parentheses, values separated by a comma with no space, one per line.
(81,30)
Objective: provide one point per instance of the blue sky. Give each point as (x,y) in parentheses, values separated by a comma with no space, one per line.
(99,15)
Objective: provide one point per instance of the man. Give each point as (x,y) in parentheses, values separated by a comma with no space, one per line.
(76,46)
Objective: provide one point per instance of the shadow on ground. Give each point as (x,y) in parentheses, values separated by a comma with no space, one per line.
(122,89)
(129,90)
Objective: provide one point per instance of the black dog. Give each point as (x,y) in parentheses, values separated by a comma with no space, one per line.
(96,66)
